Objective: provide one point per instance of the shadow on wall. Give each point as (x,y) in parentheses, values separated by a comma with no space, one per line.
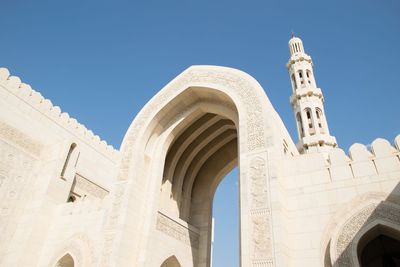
(370,235)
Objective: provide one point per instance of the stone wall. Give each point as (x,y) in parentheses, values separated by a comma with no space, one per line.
(35,138)
(294,202)
(310,189)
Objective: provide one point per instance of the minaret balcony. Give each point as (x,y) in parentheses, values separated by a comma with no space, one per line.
(297,57)
(317,140)
(304,92)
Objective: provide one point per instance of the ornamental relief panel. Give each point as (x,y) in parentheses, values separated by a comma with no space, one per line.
(10,134)
(177,230)
(258,183)
(84,185)
(111,224)
(260,215)
(15,171)
(249,99)
(345,241)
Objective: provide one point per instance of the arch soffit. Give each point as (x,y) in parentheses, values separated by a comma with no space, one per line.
(244,91)
(349,224)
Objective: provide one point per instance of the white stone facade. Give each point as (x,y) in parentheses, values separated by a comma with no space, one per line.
(69,199)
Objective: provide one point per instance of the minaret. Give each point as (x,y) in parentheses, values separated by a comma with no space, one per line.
(307,102)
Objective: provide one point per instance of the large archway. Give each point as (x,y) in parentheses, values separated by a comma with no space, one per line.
(179,147)
(203,151)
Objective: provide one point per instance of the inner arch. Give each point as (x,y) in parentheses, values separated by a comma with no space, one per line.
(202,148)
(197,160)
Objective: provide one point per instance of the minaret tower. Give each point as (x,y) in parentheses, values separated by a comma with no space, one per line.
(307,102)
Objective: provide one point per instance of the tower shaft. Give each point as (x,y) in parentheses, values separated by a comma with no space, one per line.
(307,102)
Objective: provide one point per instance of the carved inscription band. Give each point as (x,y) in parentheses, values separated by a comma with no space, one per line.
(177,230)
(10,134)
(382,211)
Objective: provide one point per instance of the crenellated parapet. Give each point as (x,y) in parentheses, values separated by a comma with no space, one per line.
(362,161)
(381,158)
(33,98)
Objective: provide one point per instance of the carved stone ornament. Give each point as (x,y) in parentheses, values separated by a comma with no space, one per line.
(240,86)
(111,223)
(16,170)
(258,183)
(88,186)
(344,243)
(10,134)
(177,230)
(260,215)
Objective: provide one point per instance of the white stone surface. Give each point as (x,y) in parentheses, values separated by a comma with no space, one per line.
(149,204)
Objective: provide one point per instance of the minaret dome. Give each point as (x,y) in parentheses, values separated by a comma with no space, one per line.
(295,45)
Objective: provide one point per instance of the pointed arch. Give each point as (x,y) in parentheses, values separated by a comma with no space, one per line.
(309,77)
(199,99)
(294,83)
(359,221)
(310,121)
(320,120)
(66,261)
(300,124)
(301,77)
(237,93)
(379,244)
(78,247)
(171,262)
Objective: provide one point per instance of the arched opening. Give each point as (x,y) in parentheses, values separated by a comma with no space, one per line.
(173,161)
(301,76)
(203,148)
(199,158)
(294,84)
(379,247)
(311,129)
(171,262)
(66,261)
(300,124)
(225,241)
(308,74)
(319,119)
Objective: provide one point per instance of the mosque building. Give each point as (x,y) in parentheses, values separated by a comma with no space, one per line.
(70,200)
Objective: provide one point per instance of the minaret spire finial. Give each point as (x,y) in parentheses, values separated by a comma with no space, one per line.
(292,34)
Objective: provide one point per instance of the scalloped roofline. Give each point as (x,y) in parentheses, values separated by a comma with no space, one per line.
(358,152)
(33,98)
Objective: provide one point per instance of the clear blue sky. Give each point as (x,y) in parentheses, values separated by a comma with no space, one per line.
(101,61)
